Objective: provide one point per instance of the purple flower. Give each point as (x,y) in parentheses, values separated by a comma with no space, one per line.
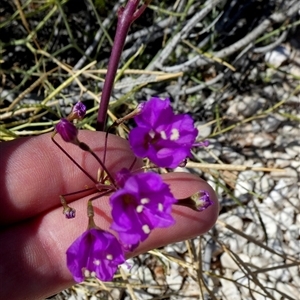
(165,138)
(198,201)
(202,200)
(79,110)
(95,253)
(69,212)
(67,130)
(143,203)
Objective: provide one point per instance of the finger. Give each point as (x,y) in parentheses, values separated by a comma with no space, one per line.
(35,172)
(36,249)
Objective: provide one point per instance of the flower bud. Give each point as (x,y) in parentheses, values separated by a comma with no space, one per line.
(198,201)
(78,112)
(69,212)
(67,131)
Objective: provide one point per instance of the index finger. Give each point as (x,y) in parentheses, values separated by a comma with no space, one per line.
(35,172)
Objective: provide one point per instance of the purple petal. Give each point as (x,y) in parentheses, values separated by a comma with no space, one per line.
(140,141)
(67,130)
(155,112)
(79,109)
(203,201)
(142,204)
(69,212)
(165,138)
(95,253)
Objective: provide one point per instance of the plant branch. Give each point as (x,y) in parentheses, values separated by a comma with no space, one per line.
(126,15)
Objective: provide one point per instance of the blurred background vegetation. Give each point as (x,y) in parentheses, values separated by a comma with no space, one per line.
(44,43)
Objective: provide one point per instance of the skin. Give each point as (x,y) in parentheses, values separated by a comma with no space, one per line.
(35,235)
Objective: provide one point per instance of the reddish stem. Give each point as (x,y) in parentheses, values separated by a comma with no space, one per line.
(72,159)
(126,15)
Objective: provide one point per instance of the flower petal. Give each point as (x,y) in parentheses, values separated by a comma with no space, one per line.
(165,138)
(95,253)
(142,204)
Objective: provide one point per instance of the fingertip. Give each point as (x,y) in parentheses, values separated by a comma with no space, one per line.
(184,185)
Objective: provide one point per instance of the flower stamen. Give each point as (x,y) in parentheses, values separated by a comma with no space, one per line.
(93,274)
(145,200)
(152,134)
(109,257)
(86,273)
(160,207)
(139,208)
(146,229)
(174,134)
(97,262)
(163,135)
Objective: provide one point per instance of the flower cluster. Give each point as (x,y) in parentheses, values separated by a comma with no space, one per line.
(140,202)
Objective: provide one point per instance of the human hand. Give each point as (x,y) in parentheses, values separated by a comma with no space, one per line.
(34,233)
